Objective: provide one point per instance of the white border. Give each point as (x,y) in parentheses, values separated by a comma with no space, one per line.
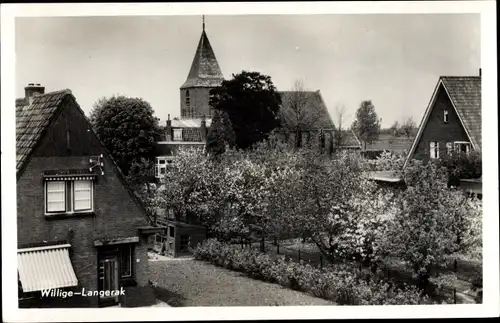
(490,307)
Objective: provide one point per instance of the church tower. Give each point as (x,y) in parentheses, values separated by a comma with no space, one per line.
(204,75)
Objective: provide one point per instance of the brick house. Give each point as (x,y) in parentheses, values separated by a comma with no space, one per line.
(79,225)
(452,121)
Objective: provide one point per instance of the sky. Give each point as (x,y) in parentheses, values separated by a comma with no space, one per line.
(393,60)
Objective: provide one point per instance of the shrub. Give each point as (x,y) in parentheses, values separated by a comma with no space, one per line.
(343,284)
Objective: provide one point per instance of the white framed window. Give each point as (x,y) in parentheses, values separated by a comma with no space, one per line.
(462,147)
(56,197)
(69,196)
(177,134)
(82,195)
(445,116)
(161,166)
(434,149)
(449,148)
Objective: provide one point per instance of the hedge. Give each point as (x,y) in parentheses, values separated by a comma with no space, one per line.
(342,284)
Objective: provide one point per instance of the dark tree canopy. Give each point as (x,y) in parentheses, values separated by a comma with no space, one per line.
(220,134)
(251,103)
(366,125)
(127,127)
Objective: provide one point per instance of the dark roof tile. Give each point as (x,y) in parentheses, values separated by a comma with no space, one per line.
(191,134)
(309,106)
(465,93)
(32,120)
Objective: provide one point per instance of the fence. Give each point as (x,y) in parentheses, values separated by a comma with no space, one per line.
(307,253)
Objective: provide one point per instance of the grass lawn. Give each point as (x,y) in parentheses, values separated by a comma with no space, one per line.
(196,283)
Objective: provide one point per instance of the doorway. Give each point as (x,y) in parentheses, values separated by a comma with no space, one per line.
(109,279)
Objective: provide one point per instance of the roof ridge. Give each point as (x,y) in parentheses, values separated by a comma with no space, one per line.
(67,91)
(459,76)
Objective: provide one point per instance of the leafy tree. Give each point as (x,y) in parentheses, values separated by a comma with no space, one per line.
(190,188)
(462,166)
(143,182)
(220,134)
(433,222)
(395,129)
(408,127)
(340,209)
(127,127)
(252,104)
(367,124)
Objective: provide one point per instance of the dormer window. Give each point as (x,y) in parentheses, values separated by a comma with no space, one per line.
(178,134)
(445,116)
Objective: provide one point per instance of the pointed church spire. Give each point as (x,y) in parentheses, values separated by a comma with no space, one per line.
(205,70)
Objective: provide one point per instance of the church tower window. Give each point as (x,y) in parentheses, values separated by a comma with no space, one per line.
(188,103)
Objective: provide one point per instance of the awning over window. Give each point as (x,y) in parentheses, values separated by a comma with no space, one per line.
(45,268)
(69,178)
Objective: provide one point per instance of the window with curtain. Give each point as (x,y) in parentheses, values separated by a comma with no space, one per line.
(68,196)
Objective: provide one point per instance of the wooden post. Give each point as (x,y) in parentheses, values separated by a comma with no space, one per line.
(455,266)
(299,255)
(278,248)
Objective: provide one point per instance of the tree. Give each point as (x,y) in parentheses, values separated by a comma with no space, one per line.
(408,127)
(395,129)
(367,123)
(339,209)
(220,134)
(127,127)
(340,111)
(295,114)
(252,104)
(462,166)
(191,188)
(143,182)
(432,223)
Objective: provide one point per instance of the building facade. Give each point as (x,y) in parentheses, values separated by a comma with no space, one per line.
(80,228)
(452,121)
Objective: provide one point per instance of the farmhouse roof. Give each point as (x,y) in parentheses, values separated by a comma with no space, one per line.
(32,120)
(314,111)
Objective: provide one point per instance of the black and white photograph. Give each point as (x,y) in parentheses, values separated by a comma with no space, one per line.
(207,158)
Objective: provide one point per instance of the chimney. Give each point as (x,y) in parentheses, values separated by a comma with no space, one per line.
(480,72)
(32,90)
(203,128)
(168,129)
